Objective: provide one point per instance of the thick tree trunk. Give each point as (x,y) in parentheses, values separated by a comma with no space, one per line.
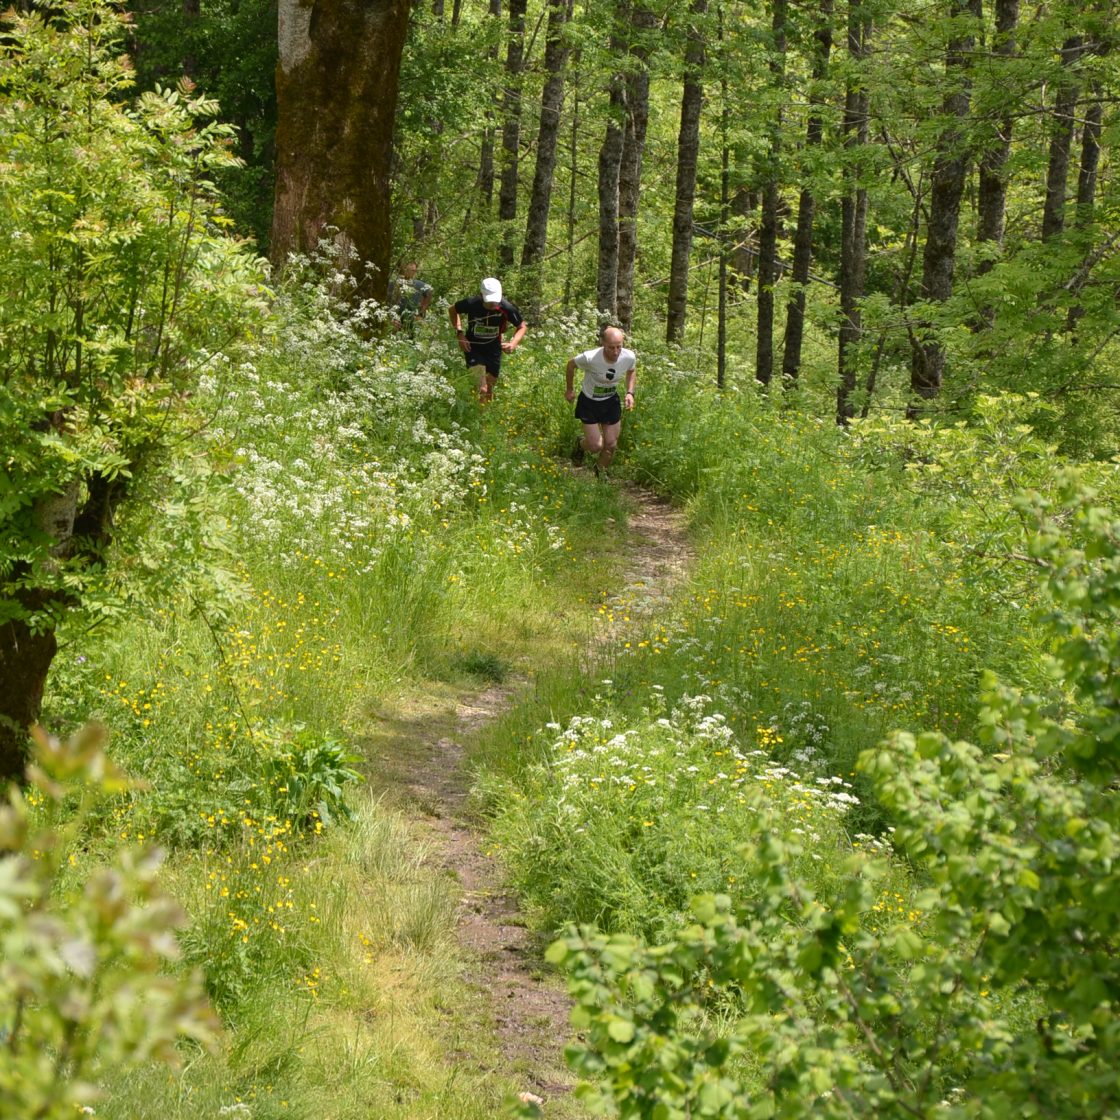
(336,92)
(853,220)
(511,129)
(744,254)
(688,154)
(630,170)
(806,207)
(548,133)
(927,367)
(26,652)
(25,659)
(771,200)
(1061,140)
(992,194)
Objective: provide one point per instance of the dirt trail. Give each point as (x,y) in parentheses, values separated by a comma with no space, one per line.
(529,1010)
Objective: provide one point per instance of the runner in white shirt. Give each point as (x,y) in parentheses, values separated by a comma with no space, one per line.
(598,406)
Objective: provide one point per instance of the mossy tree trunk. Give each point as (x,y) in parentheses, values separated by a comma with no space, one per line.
(336,91)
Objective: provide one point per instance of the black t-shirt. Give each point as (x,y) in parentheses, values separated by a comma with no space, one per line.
(485,325)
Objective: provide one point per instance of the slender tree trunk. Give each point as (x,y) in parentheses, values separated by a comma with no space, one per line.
(573,165)
(511,129)
(610,160)
(1090,160)
(688,153)
(192,9)
(630,170)
(724,213)
(991,201)
(486,153)
(1061,140)
(768,270)
(336,92)
(548,134)
(927,366)
(806,206)
(853,220)
(992,194)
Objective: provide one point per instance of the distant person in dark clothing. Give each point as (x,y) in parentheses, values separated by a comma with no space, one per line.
(480,322)
(410,297)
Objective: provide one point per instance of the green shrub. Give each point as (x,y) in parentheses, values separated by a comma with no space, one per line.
(85,989)
(996,996)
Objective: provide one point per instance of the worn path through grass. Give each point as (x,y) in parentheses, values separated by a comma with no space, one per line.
(420,759)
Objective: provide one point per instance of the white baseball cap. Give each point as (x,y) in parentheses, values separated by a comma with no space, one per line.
(491,290)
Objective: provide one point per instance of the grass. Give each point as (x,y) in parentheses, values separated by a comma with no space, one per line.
(399,548)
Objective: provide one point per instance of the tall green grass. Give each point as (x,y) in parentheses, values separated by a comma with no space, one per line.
(848,582)
(390,537)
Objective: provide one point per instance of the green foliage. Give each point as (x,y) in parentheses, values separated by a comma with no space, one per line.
(995,999)
(117,285)
(84,984)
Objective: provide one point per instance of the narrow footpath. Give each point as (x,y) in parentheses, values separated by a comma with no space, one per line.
(527,1007)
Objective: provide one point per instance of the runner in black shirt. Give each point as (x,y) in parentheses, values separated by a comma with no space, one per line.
(487,317)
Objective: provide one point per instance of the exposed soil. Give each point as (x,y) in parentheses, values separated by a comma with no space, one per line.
(527,1006)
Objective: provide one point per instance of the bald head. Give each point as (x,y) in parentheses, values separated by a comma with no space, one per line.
(612,339)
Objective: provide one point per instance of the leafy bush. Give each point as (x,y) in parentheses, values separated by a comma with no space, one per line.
(996,997)
(83,986)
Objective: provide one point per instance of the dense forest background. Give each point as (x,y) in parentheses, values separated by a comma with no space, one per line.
(906,203)
(829,827)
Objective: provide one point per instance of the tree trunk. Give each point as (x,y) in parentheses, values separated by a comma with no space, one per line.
(744,253)
(25,660)
(724,214)
(771,200)
(853,219)
(806,207)
(688,153)
(192,9)
(26,655)
(927,366)
(336,92)
(630,169)
(511,129)
(610,159)
(992,194)
(1057,171)
(573,168)
(548,133)
(1090,160)
(486,152)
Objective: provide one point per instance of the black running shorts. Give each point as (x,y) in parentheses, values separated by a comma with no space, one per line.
(488,356)
(605,410)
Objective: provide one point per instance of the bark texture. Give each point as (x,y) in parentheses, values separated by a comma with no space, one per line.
(688,152)
(511,128)
(927,366)
(610,160)
(336,90)
(806,205)
(853,219)
(768,269)
(630,169)
(548,133)
(991,200)
(1061,140)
